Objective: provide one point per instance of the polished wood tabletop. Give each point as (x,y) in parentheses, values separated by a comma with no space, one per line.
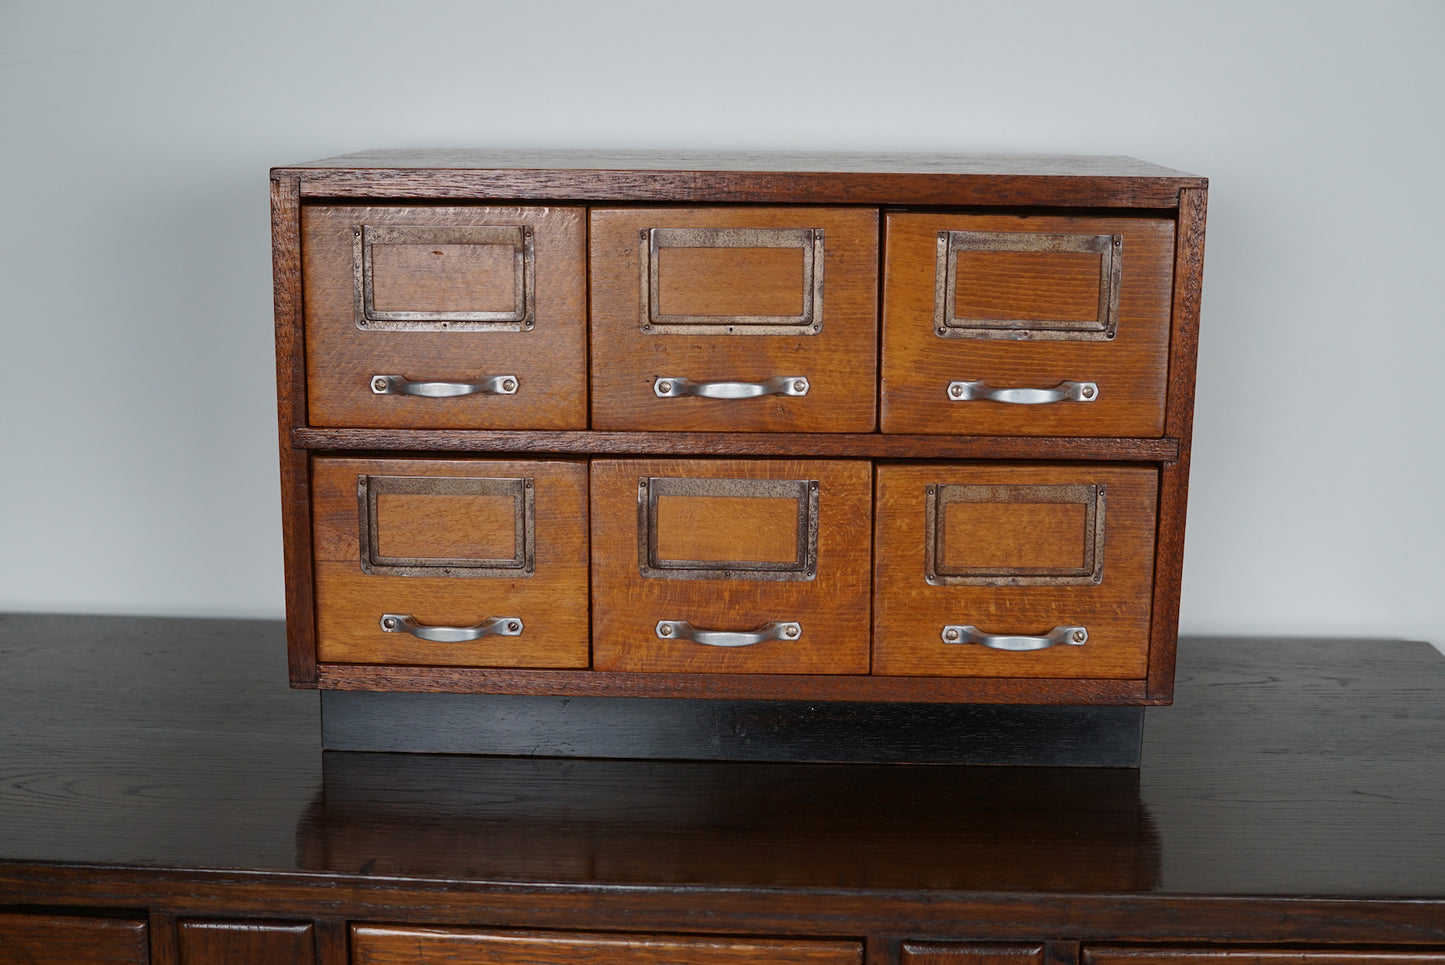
(1298,768)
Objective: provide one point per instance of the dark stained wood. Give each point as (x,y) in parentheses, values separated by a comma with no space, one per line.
(60,940)
(165,949)
(373,945)
(818,444)
(1126,955)
(246,942)
(333,942)
(1179,424)
(972,953)
(291,414)
(753,178)
(759,686)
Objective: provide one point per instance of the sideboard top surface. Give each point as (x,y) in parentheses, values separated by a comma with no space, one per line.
(745,177)
(1292,768)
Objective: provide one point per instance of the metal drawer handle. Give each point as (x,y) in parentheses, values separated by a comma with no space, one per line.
(670,387)
(493,626)
(400,385)
(682,630)
(1070,636)
(1063,392)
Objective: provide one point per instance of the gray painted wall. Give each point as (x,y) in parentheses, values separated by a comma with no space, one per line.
(135,275)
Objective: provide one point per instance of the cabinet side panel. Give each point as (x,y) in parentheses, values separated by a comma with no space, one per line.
(291,413)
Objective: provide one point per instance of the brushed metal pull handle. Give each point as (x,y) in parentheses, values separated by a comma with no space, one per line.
(682,630)
(672,387)
(1063,392)
(1066,636)
(492,626)
(400,385)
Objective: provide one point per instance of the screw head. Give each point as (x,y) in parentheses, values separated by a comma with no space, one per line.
(513,626)
(1088,392)
(379,384)
(800,385)
(509,385)
(791,631)
(665,630)
(388,624)
(955,390)
(950,635)
(664,386)
(1080,636)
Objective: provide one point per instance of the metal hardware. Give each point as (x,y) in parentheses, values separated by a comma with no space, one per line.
(1063,392)
(672,387)
(521,565)
(487,385)
(651,565)
(1058,636)
(517,237)
(492,626)
(682,630)
(1109,248)
(807,322)
(938,573)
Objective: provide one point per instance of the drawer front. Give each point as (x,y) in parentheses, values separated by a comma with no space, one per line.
(381,945)
(62,940)
(445,318)
(997,570)
(731,566)
(720,319)
(464,562)
(1071,314)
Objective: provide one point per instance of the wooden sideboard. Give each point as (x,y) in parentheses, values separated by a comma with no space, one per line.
(163,799)
(887,428)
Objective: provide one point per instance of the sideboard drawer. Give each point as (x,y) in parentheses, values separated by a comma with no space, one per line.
(998,570)
(383,945)
(731,566)
(719,319)
(451,562)
(1071,314)
(445,317)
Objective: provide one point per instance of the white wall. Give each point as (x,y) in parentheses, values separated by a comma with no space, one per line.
(138,432)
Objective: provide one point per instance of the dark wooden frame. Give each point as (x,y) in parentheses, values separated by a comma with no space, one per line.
(1077,185)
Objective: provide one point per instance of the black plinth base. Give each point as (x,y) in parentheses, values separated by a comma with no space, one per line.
(746,730)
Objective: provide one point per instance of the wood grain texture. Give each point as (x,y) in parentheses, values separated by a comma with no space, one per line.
(910,614)
(446,526)
(735,177)
(379,945)
(444,278)
(246,942)
(550,362)
(1130,370)
(839,362)
(1127,955)
(731,281)
(291,415)
(552,604)
(1179,423)
(833,608)
(1027,286)
(822,444)
(1014,535)
(972,953)
(715,529)
(41,939)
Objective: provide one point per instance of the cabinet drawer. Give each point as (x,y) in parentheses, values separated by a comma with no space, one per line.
(63,940)
(459,562)
(1073,311)
(719,319)
(445,317)
(380,945)
(975,558)
(730,566)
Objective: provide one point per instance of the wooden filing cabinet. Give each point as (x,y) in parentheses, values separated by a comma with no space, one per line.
(860,428)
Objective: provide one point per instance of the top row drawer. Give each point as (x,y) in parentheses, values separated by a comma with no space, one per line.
(735,319)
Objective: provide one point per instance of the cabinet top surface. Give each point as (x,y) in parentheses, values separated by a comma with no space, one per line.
(745,177)
(1285,768)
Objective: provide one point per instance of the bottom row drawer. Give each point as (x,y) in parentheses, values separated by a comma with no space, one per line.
(736,566)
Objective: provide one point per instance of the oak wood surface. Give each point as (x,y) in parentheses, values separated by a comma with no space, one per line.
(1027,286)
(910,614)
(731,281)
(972,953)
(444,526)
(1126,955)
(1130,370)
(736,177)
(238,942)
(47,939)
(822,444)
(1178,423)
(379,945)
(444,278)
(552,604)
(839,362)
(832,608)
(549,362)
